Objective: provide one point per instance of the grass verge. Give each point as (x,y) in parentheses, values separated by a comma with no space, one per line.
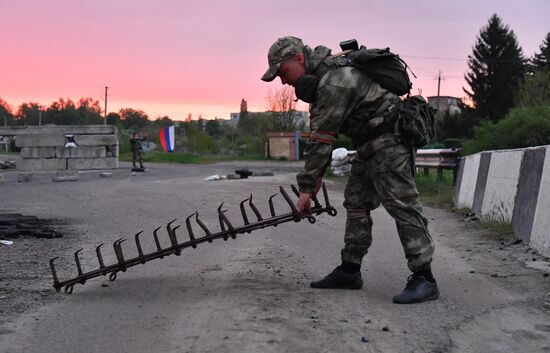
(434,190)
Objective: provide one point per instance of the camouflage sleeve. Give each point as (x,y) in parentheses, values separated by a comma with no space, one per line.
(327,115)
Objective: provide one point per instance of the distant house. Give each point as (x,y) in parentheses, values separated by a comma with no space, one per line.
(444,103)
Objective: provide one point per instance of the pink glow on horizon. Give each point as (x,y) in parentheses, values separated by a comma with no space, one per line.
(179,57)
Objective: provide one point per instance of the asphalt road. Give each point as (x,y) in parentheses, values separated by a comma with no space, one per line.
(252,294)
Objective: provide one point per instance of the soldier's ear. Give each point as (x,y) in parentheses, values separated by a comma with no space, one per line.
(299,57)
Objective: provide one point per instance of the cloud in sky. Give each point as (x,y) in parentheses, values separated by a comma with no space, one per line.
(175,57)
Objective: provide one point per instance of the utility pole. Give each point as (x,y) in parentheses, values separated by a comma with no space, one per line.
(439,78)
(105,112)
(5,138)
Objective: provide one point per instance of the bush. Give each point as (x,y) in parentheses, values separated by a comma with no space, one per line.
(456,126)
(522,127)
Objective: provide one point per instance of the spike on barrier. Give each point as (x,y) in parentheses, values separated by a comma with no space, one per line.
(228,230)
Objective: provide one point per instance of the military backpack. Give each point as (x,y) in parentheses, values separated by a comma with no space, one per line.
(414,121)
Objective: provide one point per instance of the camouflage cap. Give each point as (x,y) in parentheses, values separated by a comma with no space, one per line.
(282,49)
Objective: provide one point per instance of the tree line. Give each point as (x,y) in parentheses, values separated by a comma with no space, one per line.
(509,94)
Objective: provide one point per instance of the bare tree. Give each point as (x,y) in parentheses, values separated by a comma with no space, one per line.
(282,105)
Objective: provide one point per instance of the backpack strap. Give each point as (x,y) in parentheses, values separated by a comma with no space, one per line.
(332,62)
(342,53)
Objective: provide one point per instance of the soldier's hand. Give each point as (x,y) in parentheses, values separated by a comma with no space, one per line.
(304,202)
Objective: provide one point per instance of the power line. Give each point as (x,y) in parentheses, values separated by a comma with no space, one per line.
(462,59)
(432,58)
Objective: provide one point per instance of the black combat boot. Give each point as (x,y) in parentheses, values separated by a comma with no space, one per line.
(345,276)
(420,288)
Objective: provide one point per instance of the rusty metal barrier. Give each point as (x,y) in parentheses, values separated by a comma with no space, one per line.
(227,230)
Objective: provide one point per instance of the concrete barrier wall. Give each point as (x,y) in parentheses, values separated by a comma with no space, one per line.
(50,148)
(466,183)
(501,186)
(58,129)
(529,188)
(510,186)
(540,233)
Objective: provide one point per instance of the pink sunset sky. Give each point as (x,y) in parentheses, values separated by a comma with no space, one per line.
(202,57)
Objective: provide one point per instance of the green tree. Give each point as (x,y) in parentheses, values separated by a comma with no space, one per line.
(61,112)
(133,119)
(522,127)
(541,61)
(28,113)
(456,126)
(496,68)
(247,124)
(212,128)
(114,119)
(164,121)
(89,111)
(6,115)
(535,89)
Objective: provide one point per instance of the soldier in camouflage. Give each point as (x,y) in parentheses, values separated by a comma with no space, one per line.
(137,150)
(345,100)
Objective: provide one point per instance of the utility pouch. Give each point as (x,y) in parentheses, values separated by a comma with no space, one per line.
(415,123)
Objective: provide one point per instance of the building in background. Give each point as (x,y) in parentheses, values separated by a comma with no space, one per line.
(444,103)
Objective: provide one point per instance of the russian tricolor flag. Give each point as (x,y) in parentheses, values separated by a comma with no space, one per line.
(167,138)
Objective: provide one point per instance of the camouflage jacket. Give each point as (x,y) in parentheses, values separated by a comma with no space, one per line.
(135,144)
(346,101)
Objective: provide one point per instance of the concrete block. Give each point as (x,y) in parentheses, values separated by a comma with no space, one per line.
(2,179)
(502,185)
(41,164)
(112,151)
(540,234)
(106,175)
(469,167)
(481,182)
(93,163)
(95,140)
(525,203)
(37,152)
(66,175)
(24,177)
(81,152)
(58,130)
(39,140)
(458,180)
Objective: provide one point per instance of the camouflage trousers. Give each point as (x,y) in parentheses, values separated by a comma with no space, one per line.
(137,157)
(386,178)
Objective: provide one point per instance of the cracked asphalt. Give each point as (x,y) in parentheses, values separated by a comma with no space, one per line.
(252,294)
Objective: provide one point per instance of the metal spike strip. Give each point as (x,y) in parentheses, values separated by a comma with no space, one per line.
(227,230)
